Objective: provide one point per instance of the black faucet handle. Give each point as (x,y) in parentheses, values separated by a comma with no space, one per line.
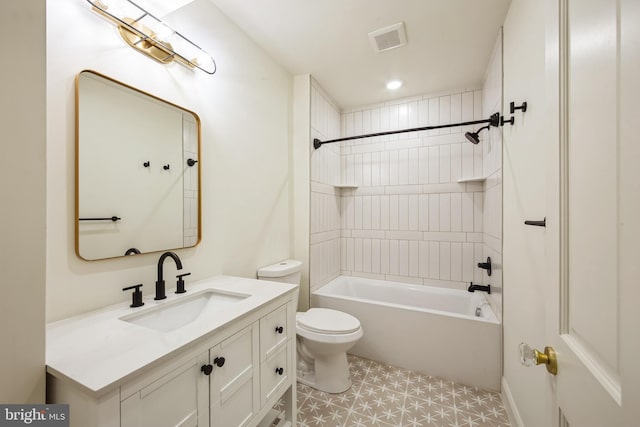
(180,283)
(136,296)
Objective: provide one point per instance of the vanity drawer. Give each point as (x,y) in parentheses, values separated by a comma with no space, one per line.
(274,373)
(273,331)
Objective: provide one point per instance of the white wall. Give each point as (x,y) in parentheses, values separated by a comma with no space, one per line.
(409,220)
(526,156)
(325,197)
(245,113)
(23,210)
(492,163)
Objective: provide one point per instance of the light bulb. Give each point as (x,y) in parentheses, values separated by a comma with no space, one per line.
(394,84)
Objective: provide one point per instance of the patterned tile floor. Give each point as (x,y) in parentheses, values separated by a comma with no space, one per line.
(383,395)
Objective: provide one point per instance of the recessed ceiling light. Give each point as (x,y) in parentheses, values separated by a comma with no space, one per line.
(394,84)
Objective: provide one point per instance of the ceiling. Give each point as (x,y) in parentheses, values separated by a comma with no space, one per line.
(449,42)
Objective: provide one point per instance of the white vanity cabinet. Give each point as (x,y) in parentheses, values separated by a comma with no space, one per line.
(231,377)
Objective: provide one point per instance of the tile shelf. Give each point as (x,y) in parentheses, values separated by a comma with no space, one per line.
(473,179)
(345,186)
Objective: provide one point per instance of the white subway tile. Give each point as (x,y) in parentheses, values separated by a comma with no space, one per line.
(423,165)
(366,255)
(434,260)
(403,167)
(357,212)
(475,237)
(403,212)
(375,168)
(414,166)
(357,256)
(375,120)
(375,212)
(478,201)
(467,110)
(393,117)
(350,254)
(404,189)
(414,212)
(467,212)
(423,200)
(445,163)
(434,115)
(445,260)
(384,256)
(403,235)
(456,162)
(366,212)
(357,168)
(384,168)
(434,212)
(393,257)
(366,122)
(456,261)
(366,170)
(467,160)
(403,117)
(414,258)
(468,262)
(343,253)
(442,236)
(384,119)
(357,123)
(424,258)
(456,212)
(384,213)
(434,164)
(478,254)
(445,212)
(403,258)
(375,256)
(423,112)
(369,234)
(393,167)
(394,209)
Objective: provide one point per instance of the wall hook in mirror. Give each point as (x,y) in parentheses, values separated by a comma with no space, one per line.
(146,164)
(513,108)
(512,120)
(191,162)
(166,167)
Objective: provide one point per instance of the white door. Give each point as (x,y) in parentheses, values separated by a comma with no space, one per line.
(573,157)
(586,246)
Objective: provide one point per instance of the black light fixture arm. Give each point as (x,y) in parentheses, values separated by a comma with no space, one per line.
(493,120)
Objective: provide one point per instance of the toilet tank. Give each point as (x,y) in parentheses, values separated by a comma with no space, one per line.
(288,271)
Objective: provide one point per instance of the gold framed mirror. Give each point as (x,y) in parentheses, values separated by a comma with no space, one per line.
(137,171)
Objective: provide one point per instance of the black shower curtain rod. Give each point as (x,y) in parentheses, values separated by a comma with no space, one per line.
(493,120)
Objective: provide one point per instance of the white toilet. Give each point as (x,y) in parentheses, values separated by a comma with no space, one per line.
(323,336)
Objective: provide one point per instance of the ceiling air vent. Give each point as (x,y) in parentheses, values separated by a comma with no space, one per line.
(388,37)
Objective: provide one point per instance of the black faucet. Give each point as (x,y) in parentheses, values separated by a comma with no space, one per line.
(473,287)
(160,291)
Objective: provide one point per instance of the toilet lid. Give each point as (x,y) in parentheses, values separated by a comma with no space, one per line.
(327,321)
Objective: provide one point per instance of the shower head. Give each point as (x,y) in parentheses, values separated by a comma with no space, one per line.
(473,136)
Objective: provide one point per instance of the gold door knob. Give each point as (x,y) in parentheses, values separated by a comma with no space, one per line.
(530,356)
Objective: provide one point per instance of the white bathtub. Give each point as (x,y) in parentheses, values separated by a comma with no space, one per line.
(427,329)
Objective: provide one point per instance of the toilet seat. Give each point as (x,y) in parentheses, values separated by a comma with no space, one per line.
(327,321)
(328,326)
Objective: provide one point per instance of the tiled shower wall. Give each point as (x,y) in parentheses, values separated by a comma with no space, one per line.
(325,197)
(409,219)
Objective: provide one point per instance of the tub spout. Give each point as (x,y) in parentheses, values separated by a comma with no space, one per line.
(473,287)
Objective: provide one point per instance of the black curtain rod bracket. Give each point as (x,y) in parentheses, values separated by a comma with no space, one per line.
(493,120)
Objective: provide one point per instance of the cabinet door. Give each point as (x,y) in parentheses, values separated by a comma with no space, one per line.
(177,399)
(234,381)
(273,332)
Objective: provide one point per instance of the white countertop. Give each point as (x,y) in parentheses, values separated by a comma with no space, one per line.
(97,350)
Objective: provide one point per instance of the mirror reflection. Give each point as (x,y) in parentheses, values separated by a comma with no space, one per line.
(137,171)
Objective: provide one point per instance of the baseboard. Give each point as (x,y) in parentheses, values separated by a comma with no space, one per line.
(510,405)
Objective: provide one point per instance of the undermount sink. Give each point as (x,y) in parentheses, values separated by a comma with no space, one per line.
(173,315)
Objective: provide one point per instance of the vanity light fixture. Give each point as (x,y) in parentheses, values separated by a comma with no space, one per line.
(152,37)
